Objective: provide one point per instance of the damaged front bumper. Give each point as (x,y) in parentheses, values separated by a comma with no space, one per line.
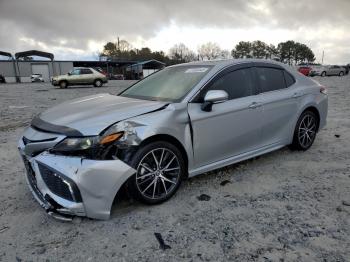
(67,186)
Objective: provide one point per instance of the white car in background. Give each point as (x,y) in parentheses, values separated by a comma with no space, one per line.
(36,78)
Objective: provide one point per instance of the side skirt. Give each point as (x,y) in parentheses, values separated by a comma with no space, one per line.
(235,159)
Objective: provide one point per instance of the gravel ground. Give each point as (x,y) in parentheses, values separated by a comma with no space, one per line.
(283,206)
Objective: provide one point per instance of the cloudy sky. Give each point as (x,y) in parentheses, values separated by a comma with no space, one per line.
(78,29)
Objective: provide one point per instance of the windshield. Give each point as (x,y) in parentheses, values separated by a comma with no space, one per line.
(169,84)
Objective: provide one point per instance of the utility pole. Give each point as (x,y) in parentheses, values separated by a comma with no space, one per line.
(322,56)
(118,48)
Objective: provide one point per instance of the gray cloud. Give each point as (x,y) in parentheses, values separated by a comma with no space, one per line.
(67,26)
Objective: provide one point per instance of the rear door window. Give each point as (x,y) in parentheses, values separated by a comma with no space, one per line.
(289,79)
(270,79)
(85,71)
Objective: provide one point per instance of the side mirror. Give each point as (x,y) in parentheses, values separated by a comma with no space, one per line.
(69,73)
(213,97)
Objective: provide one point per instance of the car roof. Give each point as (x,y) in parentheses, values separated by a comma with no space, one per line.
(228,62)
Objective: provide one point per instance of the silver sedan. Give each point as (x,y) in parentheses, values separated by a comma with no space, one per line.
(332,70)
(179,122)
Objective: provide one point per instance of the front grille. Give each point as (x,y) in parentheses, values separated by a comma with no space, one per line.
(59,184)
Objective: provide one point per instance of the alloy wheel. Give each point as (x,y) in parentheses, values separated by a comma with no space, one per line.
(307,130)
(98,83)
(158,173)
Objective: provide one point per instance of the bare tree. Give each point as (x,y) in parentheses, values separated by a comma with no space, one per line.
(124,46)
(209,51)
(225,54)
(181,53)
(119,49)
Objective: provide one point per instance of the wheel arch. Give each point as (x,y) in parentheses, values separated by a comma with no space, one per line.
(315,111)
(123,189)
(167,138)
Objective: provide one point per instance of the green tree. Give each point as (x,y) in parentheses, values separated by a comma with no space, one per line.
(242,50)
(272,52)
(286,51)
(109,49)
(259,49)
(291,52)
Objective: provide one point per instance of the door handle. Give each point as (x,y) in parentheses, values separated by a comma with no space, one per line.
(254,105)
(296,95)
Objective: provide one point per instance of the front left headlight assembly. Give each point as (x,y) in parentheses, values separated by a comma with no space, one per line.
(91,147)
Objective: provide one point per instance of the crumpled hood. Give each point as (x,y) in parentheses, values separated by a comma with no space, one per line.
(91,114)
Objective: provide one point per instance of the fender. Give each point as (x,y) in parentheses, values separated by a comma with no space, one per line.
(142,127)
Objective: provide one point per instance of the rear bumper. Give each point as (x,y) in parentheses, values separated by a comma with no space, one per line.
(323,111)
(96,181)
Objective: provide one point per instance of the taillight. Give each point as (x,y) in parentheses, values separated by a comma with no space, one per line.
(323,90)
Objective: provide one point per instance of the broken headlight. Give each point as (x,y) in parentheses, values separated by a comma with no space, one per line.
(89,147)
(76,144)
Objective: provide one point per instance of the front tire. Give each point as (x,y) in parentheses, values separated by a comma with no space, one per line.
(63,84)
(323,74)
(305,131)
(341,73)
(98,83)
(160,169)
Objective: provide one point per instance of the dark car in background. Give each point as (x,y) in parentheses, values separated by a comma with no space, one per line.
(99,69)
(2,79)
(347,68)
(116,77)
(110,76)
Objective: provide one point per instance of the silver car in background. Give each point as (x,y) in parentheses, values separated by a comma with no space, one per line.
(331,70)
(182,121)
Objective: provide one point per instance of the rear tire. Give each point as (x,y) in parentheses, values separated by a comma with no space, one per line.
(305,131)
(98,83)
(160,169)
(323,73)
(63,84)
(341,73)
